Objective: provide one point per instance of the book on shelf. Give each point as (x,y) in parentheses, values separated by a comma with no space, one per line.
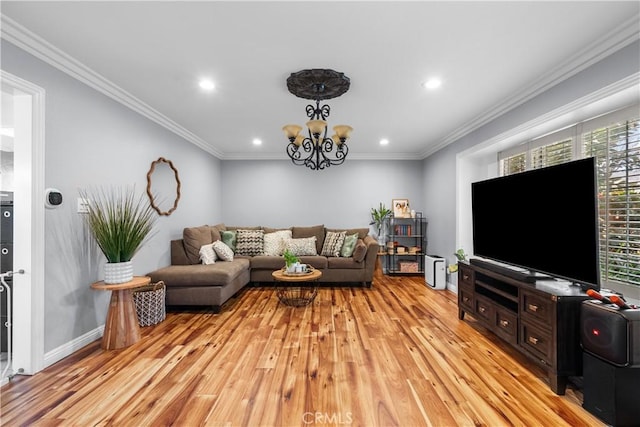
(403,230)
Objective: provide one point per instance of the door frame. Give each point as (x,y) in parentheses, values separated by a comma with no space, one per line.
(29,253)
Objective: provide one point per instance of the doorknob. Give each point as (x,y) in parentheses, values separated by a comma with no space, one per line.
(11,273)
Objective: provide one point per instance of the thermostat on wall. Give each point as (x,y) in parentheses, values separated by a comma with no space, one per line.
(53,198)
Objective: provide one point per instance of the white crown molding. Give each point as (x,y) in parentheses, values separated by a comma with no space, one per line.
(352,156)
(621,36)
(20,36)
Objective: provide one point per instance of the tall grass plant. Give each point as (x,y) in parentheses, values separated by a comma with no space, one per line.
(120,221)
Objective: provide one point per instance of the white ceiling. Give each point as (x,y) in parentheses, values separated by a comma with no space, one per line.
(491,57)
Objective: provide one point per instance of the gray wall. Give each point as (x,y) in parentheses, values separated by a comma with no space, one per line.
(279,194)
(91,140)
(444,170)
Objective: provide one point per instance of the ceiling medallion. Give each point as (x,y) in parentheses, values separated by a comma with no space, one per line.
(315,150)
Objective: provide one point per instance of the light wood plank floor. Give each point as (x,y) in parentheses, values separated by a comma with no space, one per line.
(392,355)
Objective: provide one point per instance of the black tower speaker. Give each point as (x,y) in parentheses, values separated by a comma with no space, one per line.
(611,369)
(610,392)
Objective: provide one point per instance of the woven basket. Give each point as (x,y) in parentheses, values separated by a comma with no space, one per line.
(149,301)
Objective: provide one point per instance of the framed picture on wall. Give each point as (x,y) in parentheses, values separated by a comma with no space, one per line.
(401,208)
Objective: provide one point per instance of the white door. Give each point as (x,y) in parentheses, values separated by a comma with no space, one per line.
(28,236)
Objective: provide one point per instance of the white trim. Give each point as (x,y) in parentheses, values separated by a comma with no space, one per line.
(618,38)
(573,131)
(611,119)
(72,346)
(29,353)
(40,48)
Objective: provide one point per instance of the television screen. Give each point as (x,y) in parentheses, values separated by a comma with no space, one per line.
(544,220)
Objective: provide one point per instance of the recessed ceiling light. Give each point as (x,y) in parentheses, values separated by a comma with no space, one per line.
(257,141)
(433,83)
(206,84)
(384,141)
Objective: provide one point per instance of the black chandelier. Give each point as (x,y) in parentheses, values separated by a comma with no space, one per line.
(316,150)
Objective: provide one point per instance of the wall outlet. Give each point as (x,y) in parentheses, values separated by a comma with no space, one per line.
(83,205)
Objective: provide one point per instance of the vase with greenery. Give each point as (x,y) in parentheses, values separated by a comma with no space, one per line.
(121,223)
(290,260)
(378,217)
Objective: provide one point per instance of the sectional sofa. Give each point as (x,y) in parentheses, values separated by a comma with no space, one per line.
(193,278)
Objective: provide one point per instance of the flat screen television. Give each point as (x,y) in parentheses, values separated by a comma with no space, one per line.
(544,221)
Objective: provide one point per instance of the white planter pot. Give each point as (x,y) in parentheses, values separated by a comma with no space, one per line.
(118,272)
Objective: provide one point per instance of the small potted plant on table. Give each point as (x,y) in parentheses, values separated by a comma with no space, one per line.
(290,261)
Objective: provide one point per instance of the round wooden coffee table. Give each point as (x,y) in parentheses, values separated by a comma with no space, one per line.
(297,296)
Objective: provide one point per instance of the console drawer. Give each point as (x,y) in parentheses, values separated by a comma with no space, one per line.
(465,276)
(536,341)
(536,307)
(484,309)
(465,299)
(507,325)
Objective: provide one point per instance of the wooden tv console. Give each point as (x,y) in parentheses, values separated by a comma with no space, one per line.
(540,318)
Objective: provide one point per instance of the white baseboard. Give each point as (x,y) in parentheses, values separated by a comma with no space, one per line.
(72,346)
(453,287)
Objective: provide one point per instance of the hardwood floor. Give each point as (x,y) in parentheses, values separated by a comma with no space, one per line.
(392,355)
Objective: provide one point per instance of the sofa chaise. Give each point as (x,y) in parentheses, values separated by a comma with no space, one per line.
(189,281)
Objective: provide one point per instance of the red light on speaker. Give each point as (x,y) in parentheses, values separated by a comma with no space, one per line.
(595,332)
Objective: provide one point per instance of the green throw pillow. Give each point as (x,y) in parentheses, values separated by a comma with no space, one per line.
(349,245)
(229,239)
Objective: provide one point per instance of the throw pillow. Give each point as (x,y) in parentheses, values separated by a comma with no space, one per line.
(207,254)
(315,230)
(249,242)
(274,242)
(194,238)
(215,232)
(360,251)
(223,251)
(229,238)
(333,243)
(362,232)
(349,245)
(303,246)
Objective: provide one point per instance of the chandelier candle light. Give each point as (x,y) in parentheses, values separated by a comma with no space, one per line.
(315,150)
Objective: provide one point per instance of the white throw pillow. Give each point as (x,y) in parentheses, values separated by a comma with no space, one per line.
(207,254)
(303,246)
(223,251)
(274,242)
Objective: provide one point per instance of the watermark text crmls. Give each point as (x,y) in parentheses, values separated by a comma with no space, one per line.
(334,418)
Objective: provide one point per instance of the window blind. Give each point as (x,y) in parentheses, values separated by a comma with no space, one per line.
(617,152)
